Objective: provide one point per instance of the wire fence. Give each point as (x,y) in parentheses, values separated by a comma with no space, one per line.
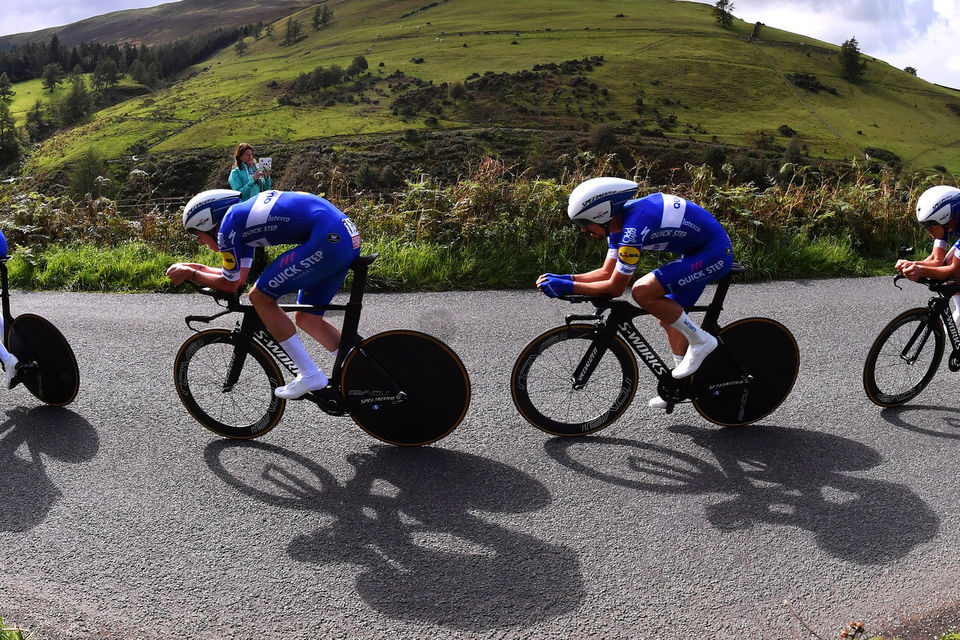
(133,208)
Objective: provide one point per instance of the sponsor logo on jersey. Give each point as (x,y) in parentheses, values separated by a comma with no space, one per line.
(703,273)
(229,262)
(629,235)
(294,270)
(333,237)
(629,255)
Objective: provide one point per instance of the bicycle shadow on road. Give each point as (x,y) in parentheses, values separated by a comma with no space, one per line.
(410,517)
(894,415)
(774,475)
(27,436)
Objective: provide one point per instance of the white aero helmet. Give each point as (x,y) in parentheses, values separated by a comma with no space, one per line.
(599,199)
(206,209)
(937,204)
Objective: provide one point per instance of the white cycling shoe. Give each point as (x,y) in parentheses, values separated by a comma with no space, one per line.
(656,402)
(696,353)
(10,370)
(300,386)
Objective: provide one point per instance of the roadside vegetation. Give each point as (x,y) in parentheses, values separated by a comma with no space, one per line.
(493,228)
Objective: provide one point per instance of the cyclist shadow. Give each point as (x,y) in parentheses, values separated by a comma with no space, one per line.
(409,517)
(26,436)
(782,476)
(894,415)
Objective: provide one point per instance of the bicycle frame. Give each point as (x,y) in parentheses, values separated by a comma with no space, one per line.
(938,308)
(251,329)
(620,321)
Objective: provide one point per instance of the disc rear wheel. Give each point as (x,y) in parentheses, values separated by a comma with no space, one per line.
(749,374)
(405,387)
(48,367)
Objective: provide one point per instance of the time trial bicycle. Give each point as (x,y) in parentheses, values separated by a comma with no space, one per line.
(905,356)
(47,366)
(402,387)
(580,377)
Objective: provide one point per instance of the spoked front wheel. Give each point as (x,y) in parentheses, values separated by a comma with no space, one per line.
(542,382)
(749,375)
(405,387)
(245,408)
(904,358)
(47,368)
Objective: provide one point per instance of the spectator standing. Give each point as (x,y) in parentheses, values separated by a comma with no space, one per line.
(246,177)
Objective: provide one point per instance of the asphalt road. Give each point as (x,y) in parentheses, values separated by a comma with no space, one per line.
(121,517)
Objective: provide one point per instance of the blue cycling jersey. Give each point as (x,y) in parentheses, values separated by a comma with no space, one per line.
(277,217)
(662,222)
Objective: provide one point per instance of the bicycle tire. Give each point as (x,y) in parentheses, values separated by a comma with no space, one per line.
(431,375)
(541,382)
(759,347)
(248,409)
(885,366)
(48,366)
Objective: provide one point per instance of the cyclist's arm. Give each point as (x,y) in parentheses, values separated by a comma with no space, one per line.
(940,255)
(598,275)
(948,271)
(614,285)
(213,278)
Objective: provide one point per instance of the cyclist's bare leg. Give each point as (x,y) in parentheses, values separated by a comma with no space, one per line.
(678,343)
(278,323)
(649,294)
(319,329)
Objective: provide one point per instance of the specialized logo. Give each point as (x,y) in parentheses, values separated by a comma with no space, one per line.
(276,350)
(333,237)
(629,255)
(229,262)
(652,359)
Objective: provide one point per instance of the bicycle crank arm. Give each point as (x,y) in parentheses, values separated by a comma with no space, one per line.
(375,397)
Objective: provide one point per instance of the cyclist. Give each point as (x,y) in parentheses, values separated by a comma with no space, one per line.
(605,207)
(8,359)
(937,212)
(328,243)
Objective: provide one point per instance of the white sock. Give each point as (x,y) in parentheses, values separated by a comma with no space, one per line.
(689,328)
(334,353)
(298,353)
(677,359)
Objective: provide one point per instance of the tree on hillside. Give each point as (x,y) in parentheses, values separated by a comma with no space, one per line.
(317,16)
(722,11)
(269,29)
(293,31)
(326,16)
(39,125)
(911,70)
(84,174)
(851,66)
(52,76)
(9,142)
(358,66)
(240,47)
(106,75)
(6,87)
(77,104)
(258,30)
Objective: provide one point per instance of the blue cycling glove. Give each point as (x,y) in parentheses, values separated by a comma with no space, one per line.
(554,286)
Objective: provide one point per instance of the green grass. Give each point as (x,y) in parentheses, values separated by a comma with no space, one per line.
(726,86)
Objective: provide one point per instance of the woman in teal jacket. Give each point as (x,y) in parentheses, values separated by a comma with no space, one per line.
(245,177)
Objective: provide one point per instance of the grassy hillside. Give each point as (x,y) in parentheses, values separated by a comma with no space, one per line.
(696,81)
(160,24)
